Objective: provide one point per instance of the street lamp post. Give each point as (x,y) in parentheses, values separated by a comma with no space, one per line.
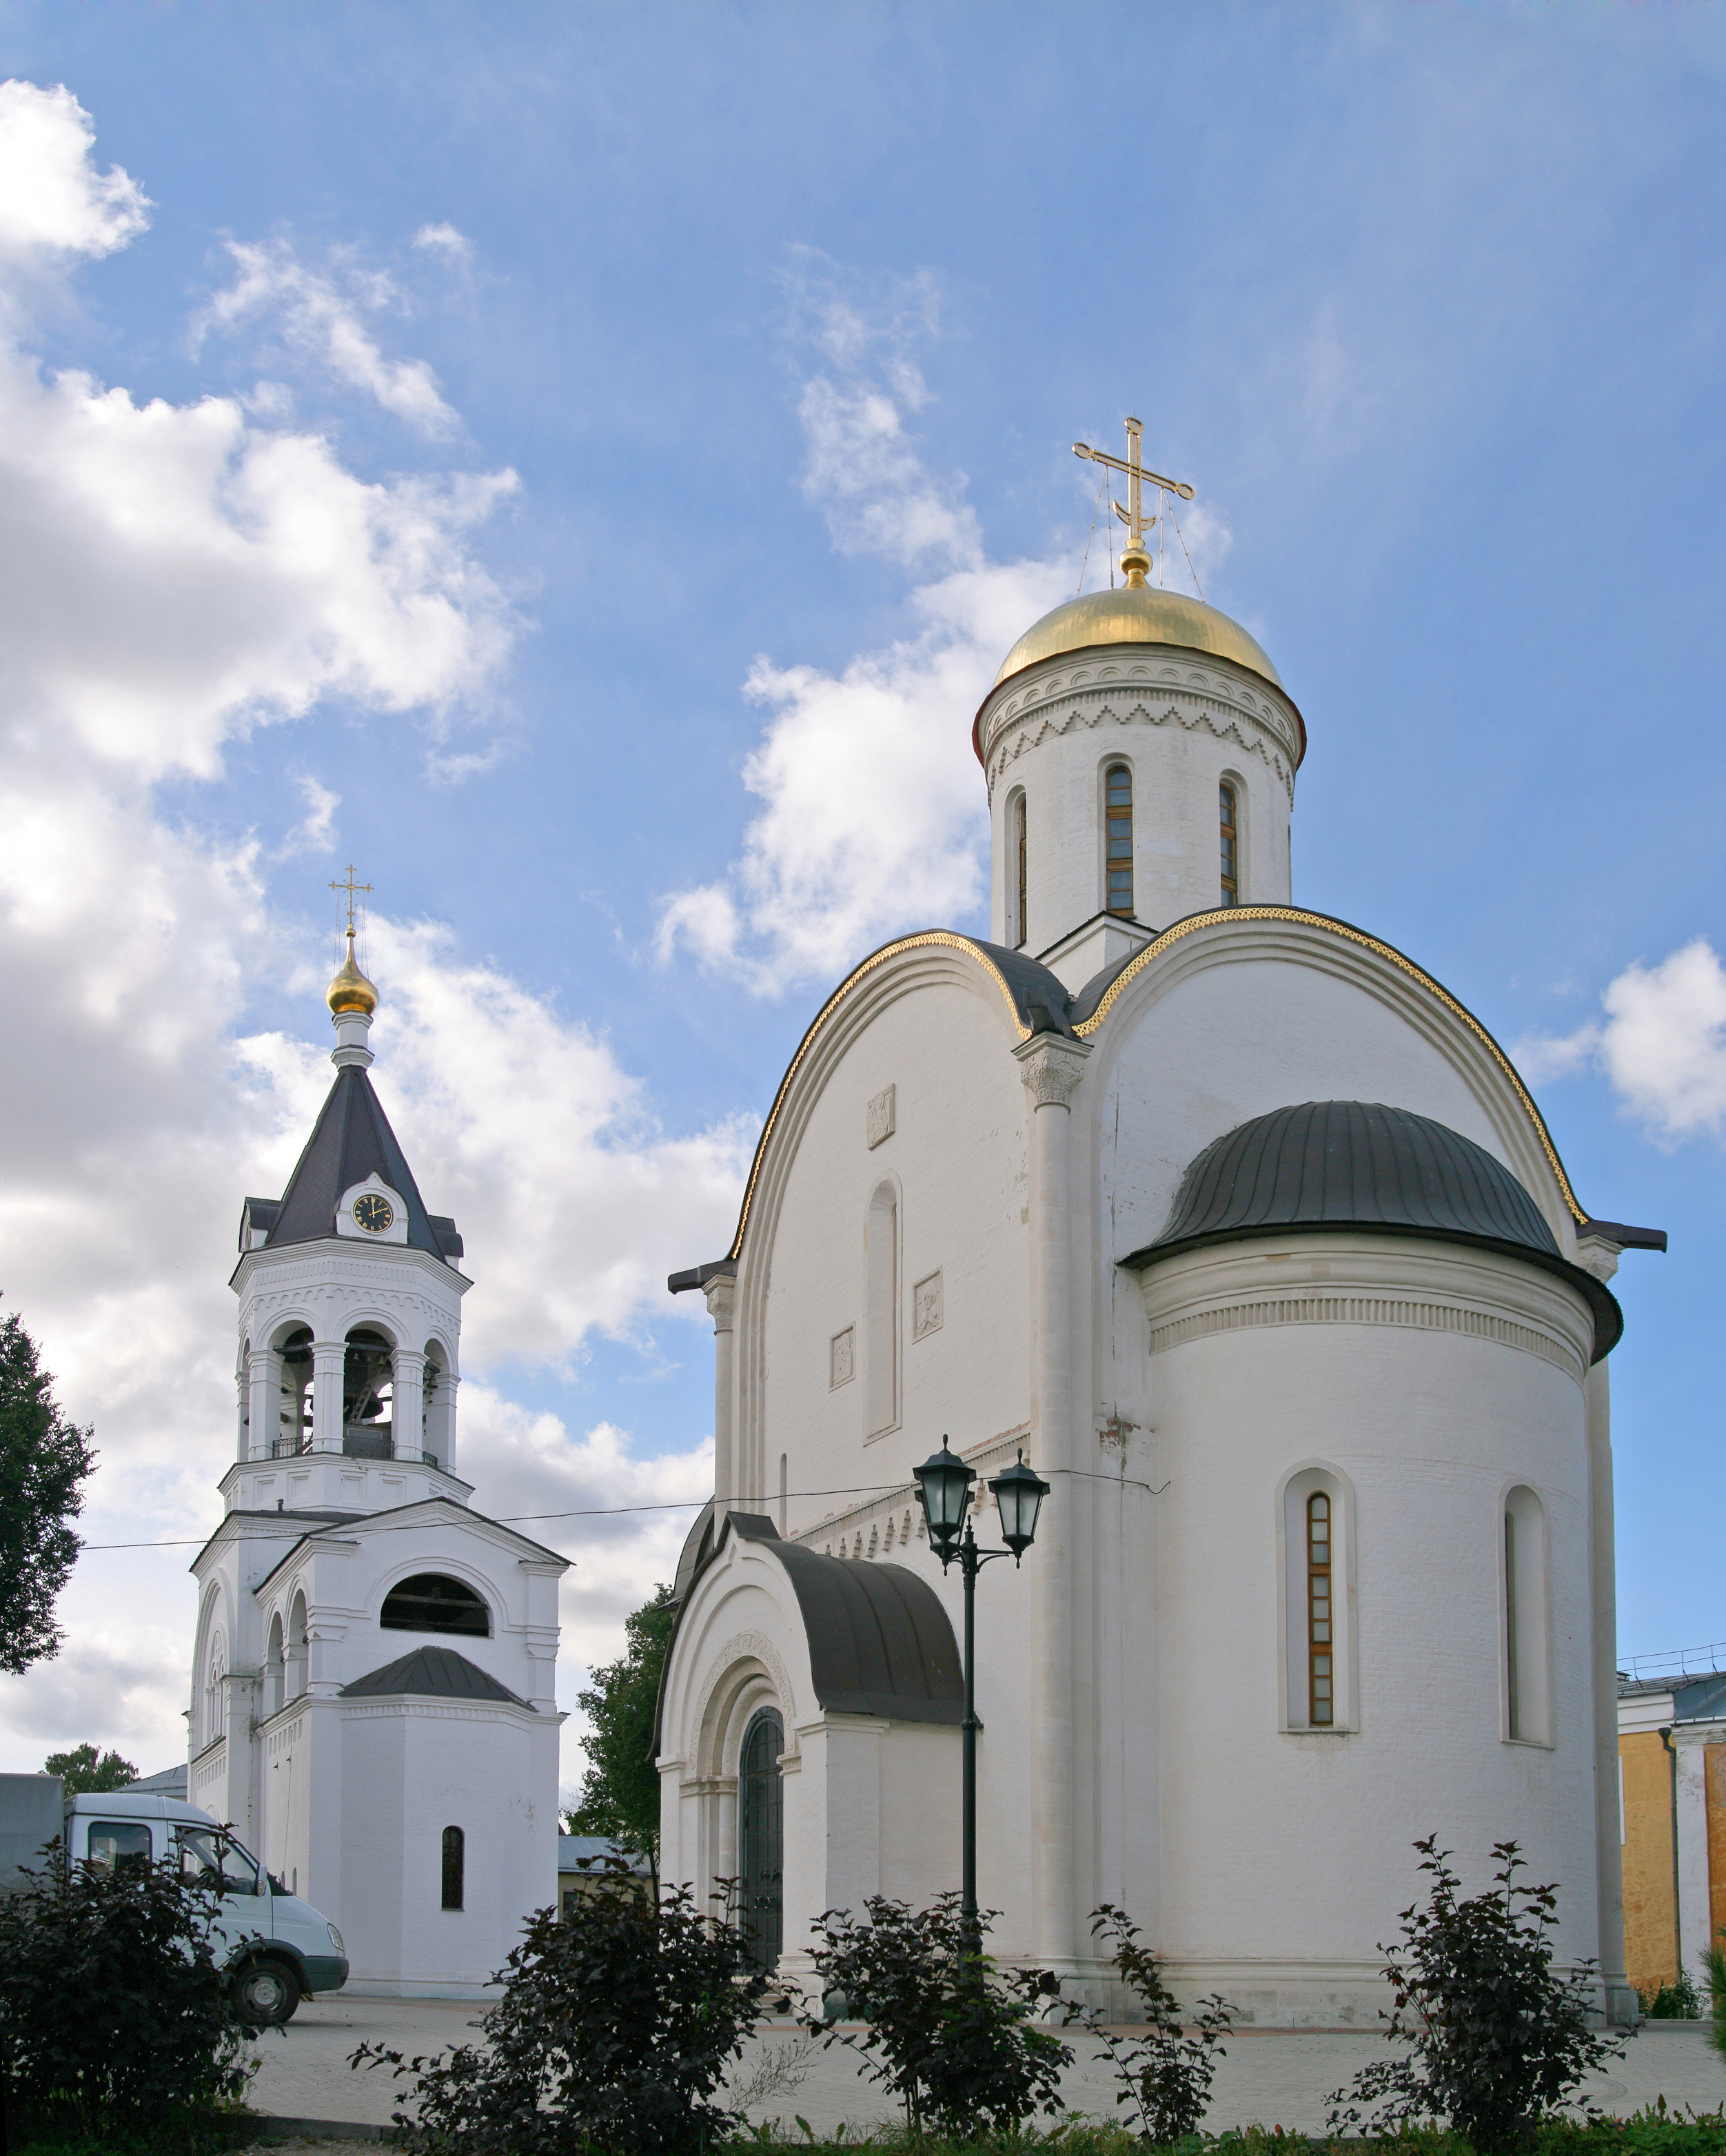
(943,1487)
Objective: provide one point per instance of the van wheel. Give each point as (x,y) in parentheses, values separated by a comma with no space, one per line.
(265,1993)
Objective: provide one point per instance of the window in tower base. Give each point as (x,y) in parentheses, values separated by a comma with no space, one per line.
(1118,849)
(1230,818)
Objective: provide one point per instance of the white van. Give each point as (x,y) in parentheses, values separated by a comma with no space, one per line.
(279,1948)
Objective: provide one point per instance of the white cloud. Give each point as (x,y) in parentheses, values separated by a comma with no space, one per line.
(874,814)
(321,317)
(455,247)
(54,203)
(1661,1045)
(171,577)
(525,1126)
(315,832)
(174,575)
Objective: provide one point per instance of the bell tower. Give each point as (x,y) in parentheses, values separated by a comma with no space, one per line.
(350,1307)
(1140,752)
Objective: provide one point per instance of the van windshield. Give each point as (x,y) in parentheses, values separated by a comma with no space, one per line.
(216,1860)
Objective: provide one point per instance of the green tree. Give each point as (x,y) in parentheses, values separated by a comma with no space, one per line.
(620,1796)
(43,1462)
(85,1770)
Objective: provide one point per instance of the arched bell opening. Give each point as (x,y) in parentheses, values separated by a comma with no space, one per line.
(433,1602)
(368,1395)
(761,1838)
(297,1658)
(437,1408)
(292,1433)
(275,1668)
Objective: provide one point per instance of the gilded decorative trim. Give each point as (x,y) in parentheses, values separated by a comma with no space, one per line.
(943,938)
(1227,914)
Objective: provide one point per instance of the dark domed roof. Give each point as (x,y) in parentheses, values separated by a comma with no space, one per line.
(1362,1165)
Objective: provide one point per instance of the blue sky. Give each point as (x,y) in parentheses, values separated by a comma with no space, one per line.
(600,454)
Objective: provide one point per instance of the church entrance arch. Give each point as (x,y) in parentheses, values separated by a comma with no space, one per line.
(761,1837)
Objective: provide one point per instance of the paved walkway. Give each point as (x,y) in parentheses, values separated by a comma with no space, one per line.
(1270,2076)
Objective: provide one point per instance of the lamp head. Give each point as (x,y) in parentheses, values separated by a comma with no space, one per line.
(1018,1491)
(943,1488)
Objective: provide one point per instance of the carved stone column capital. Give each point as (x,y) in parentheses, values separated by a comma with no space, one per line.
(721,1293)
(1050,1066)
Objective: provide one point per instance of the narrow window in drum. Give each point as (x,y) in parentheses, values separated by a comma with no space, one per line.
(1321,1689)
(455,1865)
(1118,791)
(1231,845)
(1020,815)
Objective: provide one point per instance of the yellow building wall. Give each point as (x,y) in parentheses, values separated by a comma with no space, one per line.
(1714,1762)
(1650,1946)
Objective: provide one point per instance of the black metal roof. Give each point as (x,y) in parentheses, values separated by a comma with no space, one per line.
(431,1673)
(879,1641)
(352,1140)
(1363,1165)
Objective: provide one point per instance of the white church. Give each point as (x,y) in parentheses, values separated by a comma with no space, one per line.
(374,1705)
(1248,1234)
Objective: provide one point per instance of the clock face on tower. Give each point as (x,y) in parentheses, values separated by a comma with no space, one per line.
(372,1213)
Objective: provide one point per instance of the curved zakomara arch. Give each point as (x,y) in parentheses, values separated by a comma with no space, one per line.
(826,1038)
(1370,962)
(213,1615)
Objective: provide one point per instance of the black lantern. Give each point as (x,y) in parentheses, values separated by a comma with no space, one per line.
(943,1484)
(1020,1491)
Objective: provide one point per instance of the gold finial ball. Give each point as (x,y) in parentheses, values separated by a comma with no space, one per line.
(350,990)
(1136,561)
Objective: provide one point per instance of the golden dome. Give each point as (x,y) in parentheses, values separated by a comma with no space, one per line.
(350,990)
(1144,615)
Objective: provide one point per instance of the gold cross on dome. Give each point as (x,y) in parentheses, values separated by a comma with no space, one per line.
(353,891)
(1134,560)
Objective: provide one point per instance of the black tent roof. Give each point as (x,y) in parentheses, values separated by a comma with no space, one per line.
(350,1140)
(431,1673)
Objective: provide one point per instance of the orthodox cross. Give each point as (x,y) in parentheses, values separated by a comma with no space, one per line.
(353,891)
(1132,516)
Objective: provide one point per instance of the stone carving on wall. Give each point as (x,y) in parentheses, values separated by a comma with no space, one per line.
(925,1306)
(881,1111)
(842,1357)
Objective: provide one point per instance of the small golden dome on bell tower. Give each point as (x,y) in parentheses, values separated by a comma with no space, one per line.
(350,990)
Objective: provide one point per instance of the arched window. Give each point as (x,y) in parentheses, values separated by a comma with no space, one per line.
(761,1837)
(1321,1675)
(1229,813)
(1019,866)
(432,1602)
(455,1865)
(1118,794)
(1321,1642)
(1527,1684)
(880,1340)
(273,1667)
